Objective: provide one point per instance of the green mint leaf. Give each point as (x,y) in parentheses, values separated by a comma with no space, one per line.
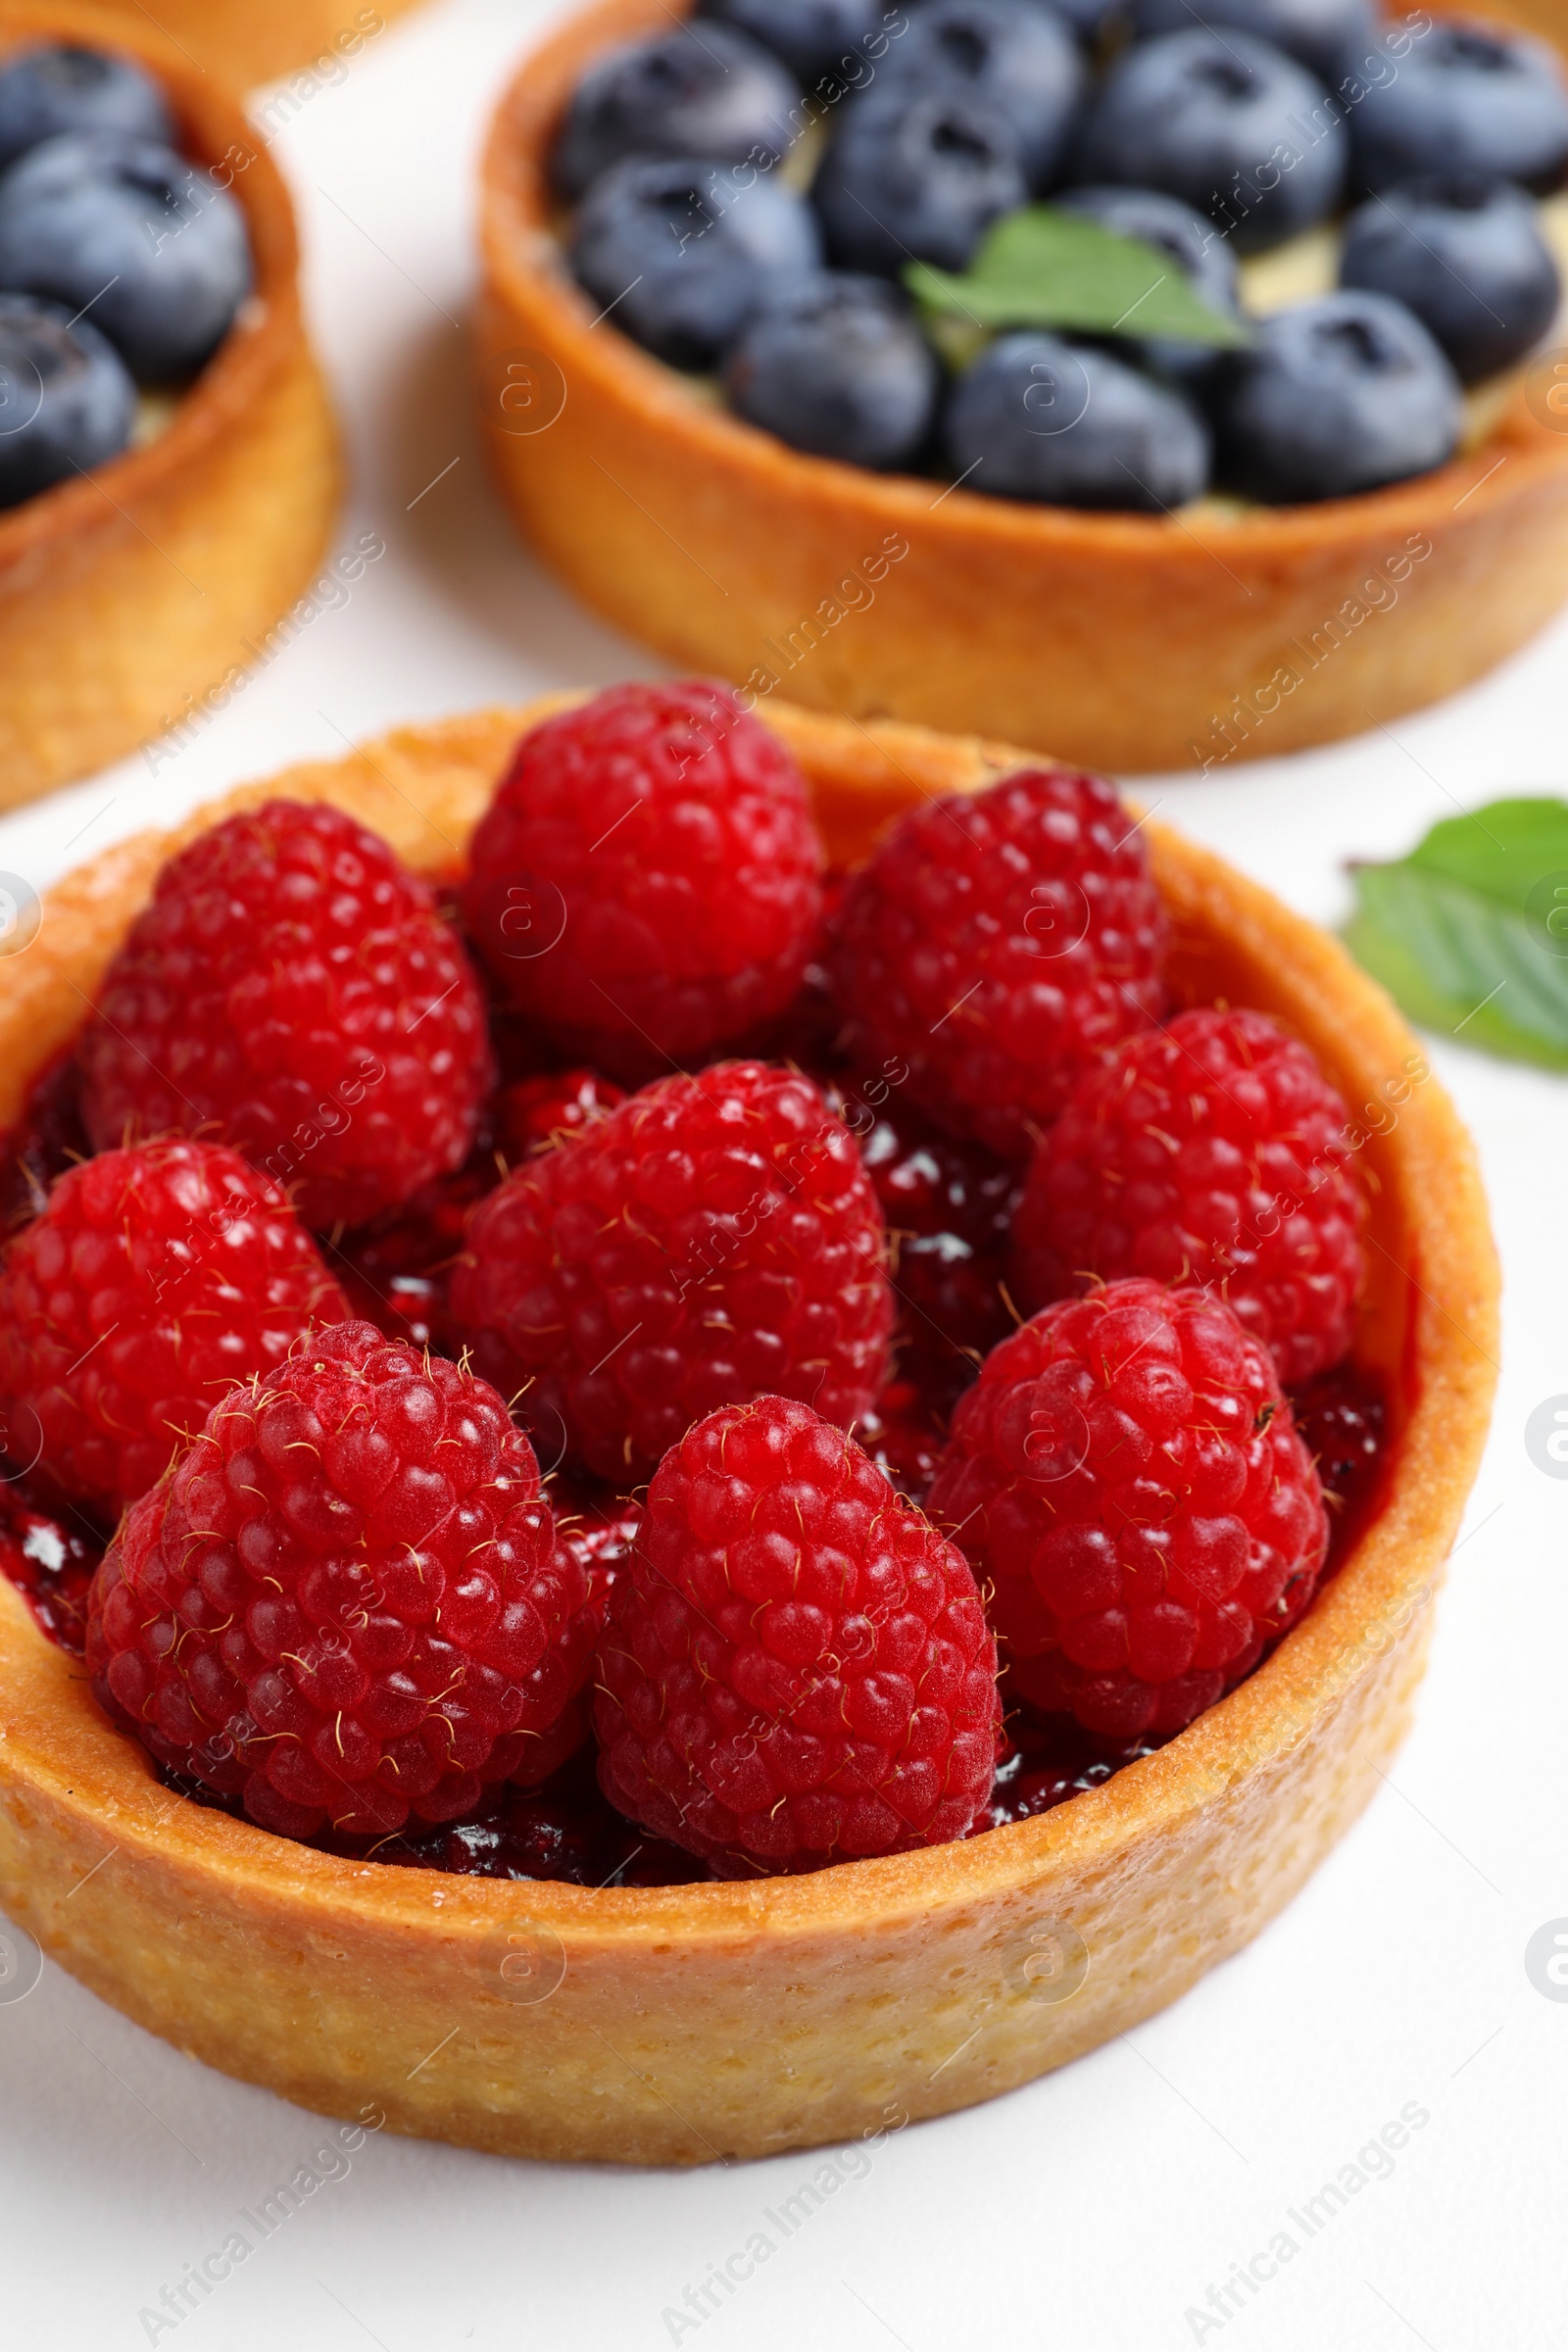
(1044,268)
(1469,933)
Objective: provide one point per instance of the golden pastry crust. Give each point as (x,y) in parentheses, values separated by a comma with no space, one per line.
(245,41)
(130,593)
(679,2025)
(1127,642)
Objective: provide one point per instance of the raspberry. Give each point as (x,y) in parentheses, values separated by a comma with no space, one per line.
(713,1239)
(153,1280)
(1214,1153)
(536,1112)
(797,1667)
(647,881)
(1127,1475)
(294,988)
(344,1603)
(998,945)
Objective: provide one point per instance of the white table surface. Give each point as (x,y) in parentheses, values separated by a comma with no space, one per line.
(1094,2209)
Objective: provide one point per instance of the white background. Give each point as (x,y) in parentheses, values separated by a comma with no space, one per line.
(1094,2209)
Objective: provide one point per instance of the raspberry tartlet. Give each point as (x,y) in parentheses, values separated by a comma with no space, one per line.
(1211,632)
(134,588)
(817,1844)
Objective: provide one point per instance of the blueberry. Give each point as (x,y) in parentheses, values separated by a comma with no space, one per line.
(684,255)
(150,243)
(916,178)
(1014,55)
(838,368)
(1468,256)
(1463,98)
(1192,244)
(1040,418)
(1324,36)
(812,36)
(1233,127)
(713,93)
(1334,397)
(66,401)
(47,91)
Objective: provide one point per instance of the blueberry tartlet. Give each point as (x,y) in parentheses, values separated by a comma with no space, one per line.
(168,469)
(656,1614)
(1184,381)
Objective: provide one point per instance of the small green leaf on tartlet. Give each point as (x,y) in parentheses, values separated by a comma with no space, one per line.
(1469,933)
(1046,267)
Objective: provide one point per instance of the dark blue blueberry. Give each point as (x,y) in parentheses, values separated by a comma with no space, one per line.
(682,254)
(66,401)
(1233,127)
(1193,243)
(1037,418)
(917,179)
(1468,256)
(839,368)
(708,92)
(1326,36)
(1332,398)
(1461,98)
(1014,55)
(147,241)
(48,91)
(812,37)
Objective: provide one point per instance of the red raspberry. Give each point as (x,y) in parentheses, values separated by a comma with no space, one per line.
(713,1239)
(293,987)
(1127,1475)
(1214,1153)
(796,1668)
(647,882)
(345,1601)
(536,1112)
(153,1281)
(997,946)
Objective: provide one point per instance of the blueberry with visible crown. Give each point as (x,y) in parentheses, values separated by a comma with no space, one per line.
(839,368)
(55,88)
(1014,55)
(1208,117)
(149,242)
(1467,256)
(1039,418)
(684,255)
(714,94)
(66,401)
(1326,36)
(1334,397)
(1464,98)
(917,178)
